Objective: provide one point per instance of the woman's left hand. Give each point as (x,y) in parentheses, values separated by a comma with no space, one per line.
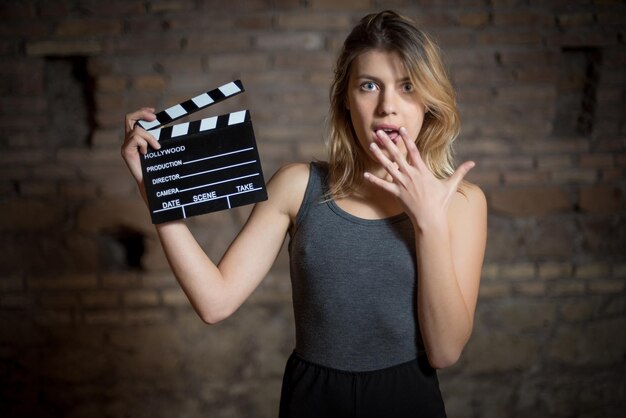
(425,198)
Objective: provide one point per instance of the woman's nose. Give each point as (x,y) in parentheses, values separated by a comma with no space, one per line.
(387,103)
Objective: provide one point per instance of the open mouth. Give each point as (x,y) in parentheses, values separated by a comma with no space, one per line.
(392,132)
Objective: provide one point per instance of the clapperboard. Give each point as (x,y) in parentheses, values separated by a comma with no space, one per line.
(205,165)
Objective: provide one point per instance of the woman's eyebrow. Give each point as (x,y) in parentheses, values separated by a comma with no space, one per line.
(378,80)
(368,77)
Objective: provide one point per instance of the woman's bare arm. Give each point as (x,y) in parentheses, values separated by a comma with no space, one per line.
(217,290)
(450,236)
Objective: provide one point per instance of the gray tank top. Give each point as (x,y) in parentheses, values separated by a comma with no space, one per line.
(354,285)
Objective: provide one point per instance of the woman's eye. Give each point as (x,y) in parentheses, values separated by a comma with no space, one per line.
(368,86)
(407,88)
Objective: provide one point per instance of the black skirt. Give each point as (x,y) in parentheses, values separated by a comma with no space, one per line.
(406,390)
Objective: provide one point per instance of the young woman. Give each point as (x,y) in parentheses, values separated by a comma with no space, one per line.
(386,239)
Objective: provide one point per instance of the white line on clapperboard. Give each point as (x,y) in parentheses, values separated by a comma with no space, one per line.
(218,182)
(217,156)
(215,169)
(227,196)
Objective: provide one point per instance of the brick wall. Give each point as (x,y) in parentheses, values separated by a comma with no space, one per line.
(93,324)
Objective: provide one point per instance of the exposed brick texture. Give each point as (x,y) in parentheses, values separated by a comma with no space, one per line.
(92,322)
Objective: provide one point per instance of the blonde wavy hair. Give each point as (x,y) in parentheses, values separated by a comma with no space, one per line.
(392,32)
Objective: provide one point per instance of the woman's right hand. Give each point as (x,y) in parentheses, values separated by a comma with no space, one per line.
(136,141)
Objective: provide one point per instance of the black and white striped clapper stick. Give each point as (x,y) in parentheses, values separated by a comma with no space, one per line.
(204,165)
(193,105)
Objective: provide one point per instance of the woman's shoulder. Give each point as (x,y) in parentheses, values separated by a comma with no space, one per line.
(289,184)
(470,201)
(292,175)
(472,192)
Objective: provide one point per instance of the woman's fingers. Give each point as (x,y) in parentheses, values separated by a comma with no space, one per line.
(136,137)
(387,185)
(142,145)
(412,181)
(137,140)
(145,113)
(392,148)
(459,174)
(140,139)
(390,166)
(414,156)
(150,140)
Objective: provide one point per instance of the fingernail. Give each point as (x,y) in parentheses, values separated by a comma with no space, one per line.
(403,130)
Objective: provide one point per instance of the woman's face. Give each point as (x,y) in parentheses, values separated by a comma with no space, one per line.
(382,97)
